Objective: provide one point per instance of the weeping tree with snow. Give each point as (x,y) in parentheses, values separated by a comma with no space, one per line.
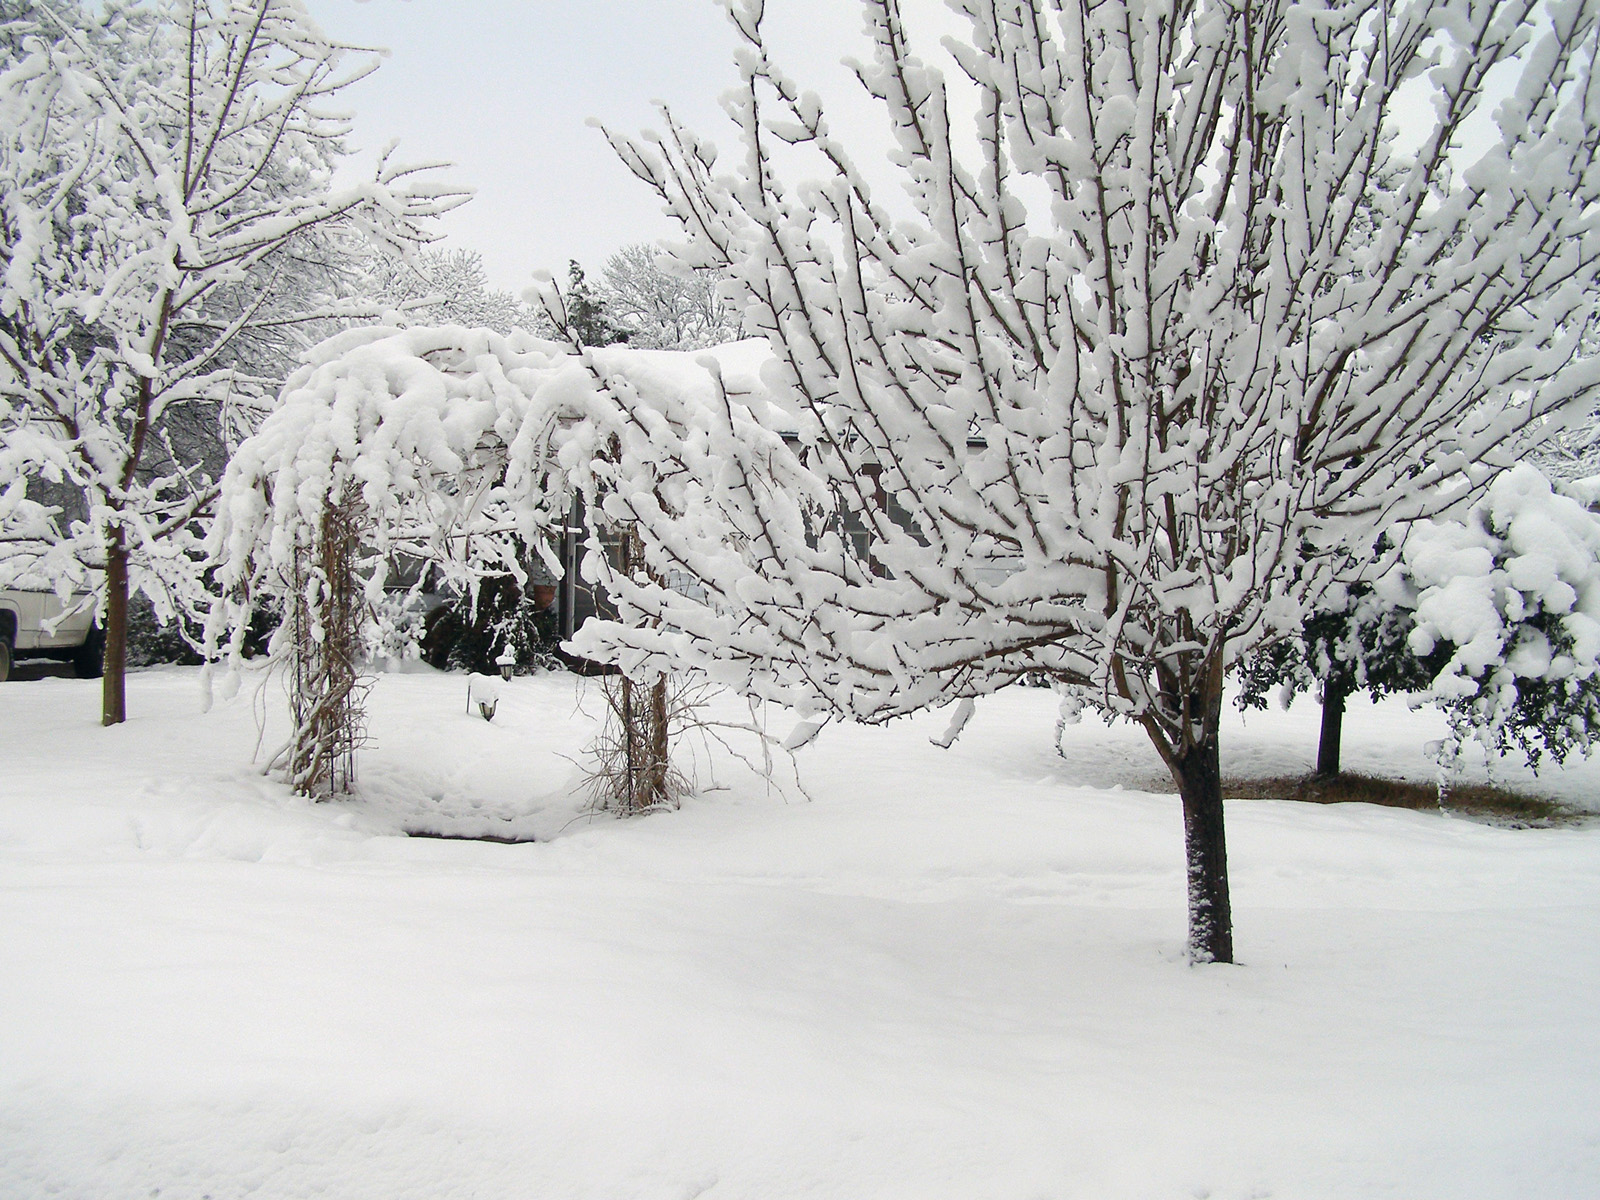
(1495,618)
(166,174)
(451,287)
(1150,368)
(457,447)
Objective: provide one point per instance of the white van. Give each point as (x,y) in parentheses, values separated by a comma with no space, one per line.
(37,624)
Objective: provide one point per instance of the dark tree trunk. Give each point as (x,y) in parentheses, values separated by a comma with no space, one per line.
(1199,777)
(658,741)
(113,690)
(1334,690)
(633,752)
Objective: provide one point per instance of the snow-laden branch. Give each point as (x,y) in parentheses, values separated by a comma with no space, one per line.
(462,447)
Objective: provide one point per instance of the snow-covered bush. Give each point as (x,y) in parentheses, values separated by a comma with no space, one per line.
(1495,618)
(394,630)
(1510,600)
(470,632)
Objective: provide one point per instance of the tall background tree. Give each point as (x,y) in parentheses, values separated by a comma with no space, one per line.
(1168,342)
(587,317)
(167,220)
(446,287)
(664,307)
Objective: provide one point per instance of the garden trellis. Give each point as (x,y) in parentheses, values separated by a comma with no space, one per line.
(459,447)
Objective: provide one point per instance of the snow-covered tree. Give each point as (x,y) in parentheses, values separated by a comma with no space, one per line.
(447,287)
(166,181)
(1495,618)
(664,307)
(1352,642)
(1150,368)
(588,316)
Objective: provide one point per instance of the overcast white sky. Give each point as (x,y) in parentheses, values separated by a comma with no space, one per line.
(503,89)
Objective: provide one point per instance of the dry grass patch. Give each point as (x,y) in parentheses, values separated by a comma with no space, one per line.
(1480,801)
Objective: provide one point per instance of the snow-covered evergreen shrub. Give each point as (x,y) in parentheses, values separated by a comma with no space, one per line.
(1495,618)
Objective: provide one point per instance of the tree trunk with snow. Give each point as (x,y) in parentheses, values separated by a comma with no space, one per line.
(1198,774)
(660,748)
(1183,726)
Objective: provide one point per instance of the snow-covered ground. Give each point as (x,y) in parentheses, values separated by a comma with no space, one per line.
(947,974)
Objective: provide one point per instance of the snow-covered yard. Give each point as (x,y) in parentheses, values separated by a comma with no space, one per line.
(948,974)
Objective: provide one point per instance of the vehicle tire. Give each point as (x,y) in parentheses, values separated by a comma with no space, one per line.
(89,659)
(5,658)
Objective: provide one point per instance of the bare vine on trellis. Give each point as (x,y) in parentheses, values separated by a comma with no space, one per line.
(629,767)
(630,763)
(326,618)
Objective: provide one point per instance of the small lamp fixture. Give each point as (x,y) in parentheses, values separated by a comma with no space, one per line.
(506,662)
(484,691)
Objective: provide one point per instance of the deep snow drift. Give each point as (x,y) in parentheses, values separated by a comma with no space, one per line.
(946,974)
